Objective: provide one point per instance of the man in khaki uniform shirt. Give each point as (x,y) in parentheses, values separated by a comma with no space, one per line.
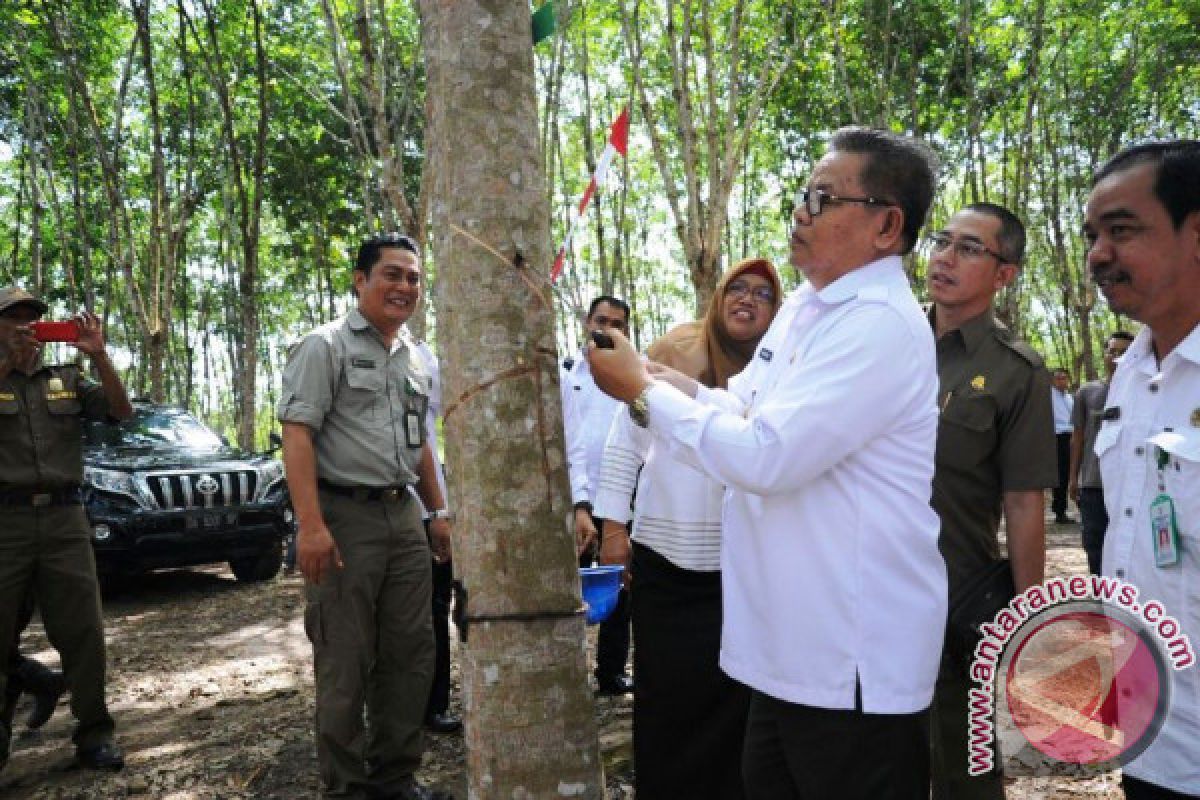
(995,450)
(45,540)
(354,443)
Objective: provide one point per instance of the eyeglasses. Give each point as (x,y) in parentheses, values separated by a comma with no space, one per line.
(815,200)
(966,249)
(763,295)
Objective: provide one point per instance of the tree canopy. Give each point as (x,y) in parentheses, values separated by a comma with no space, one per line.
(201,172)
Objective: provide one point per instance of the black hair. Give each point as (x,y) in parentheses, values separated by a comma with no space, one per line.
(612,301)
(1177,184)
(1124,336)
(1012,230)
(898,169)
(368,251)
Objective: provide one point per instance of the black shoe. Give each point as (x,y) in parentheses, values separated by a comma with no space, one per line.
(444,722)
(45,698)
(45,685)
(411,790)
(613,685)
(102,756)
(1063,519)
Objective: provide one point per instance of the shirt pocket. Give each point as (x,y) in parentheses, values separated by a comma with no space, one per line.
(10,427)
(967,431)
(363,390)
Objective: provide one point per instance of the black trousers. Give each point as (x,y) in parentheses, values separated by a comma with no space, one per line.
(1093,520)
(1059,503)
(16,661)
(1140,790)
(612,641)
(689,717)
(796,752)
(443,591)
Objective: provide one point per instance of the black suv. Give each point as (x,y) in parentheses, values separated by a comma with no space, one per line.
(162,490)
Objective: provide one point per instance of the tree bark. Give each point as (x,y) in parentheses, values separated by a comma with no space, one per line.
(530,728)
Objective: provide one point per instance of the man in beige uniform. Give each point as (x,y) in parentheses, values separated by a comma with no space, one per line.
(995,451)
(354,442)
(45,538)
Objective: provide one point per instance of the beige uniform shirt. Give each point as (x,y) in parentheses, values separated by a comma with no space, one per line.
(41,426)
(365,405)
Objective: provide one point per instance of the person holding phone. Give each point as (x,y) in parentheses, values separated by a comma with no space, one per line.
(45,543)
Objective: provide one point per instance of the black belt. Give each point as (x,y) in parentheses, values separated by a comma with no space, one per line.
(38,498)
(367,494)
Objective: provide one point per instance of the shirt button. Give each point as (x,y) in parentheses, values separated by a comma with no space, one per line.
(1120,573)
(1139,450)
(1129,512)
(1154,387)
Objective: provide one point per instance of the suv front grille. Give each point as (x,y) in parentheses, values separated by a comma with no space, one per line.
(202,489)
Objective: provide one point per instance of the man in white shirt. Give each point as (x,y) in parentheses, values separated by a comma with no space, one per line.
(834,588)
(587,416)
(1142,224)
(1062,403)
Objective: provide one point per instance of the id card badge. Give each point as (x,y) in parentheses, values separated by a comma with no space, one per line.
(414,431)
(1164,530)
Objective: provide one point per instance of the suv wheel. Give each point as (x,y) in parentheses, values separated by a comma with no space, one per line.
(262,566)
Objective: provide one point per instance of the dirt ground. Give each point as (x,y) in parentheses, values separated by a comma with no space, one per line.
(211,686)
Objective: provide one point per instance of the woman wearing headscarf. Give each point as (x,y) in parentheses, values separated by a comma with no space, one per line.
(689,718)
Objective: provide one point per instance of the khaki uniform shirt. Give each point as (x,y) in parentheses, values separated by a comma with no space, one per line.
(1089,408)
(41,426)
(995,434)
(358,398)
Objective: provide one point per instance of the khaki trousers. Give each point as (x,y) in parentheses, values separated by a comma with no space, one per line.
(372,636)
(48,551)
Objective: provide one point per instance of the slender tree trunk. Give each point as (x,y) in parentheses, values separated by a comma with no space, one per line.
(503,420)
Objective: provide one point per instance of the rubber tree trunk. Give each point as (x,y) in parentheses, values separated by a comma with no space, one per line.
(530,723)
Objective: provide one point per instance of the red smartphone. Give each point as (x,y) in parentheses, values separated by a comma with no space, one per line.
(67,331)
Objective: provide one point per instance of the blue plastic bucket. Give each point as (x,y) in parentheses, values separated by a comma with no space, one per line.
(600,588)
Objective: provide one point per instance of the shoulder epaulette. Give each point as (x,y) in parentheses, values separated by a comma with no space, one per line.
(1019,346)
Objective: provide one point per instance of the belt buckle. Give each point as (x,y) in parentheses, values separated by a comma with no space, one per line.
(41,499)
(390,496)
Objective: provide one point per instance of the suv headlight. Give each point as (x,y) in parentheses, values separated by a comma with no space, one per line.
(110,480)
(270,474)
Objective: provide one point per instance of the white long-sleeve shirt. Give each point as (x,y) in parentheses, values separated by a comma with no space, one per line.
(1159,407)
(432,412)
(830,564)
(678,512)
(587,415)
(1062,404)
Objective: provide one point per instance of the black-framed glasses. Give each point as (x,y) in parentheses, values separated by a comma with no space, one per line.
(815,200)
(967,249)
(764,295)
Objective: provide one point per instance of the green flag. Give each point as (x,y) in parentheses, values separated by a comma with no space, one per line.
(543,21)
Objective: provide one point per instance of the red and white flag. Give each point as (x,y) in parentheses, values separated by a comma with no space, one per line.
(618,141)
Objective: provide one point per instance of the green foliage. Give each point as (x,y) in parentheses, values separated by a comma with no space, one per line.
(1021,99)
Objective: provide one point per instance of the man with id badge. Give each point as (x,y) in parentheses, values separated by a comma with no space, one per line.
(353,407)
(1142,226)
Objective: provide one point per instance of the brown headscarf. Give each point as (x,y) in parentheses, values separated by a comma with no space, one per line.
(703,349)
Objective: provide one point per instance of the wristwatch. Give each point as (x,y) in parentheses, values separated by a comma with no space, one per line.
(443,513)
(639,411)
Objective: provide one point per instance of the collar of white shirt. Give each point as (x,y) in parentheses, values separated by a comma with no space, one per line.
(1140,355)
(884,271)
